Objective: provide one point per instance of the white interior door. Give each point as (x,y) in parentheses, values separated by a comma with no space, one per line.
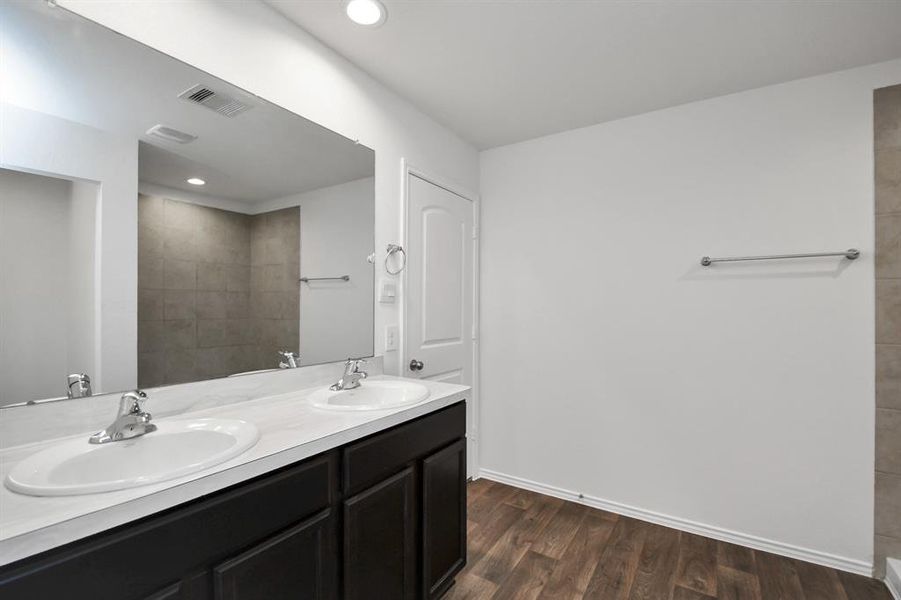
(438,332)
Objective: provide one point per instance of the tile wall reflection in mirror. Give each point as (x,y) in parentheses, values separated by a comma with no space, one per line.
(155,222)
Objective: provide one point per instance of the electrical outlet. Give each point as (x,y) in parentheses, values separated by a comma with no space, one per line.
(391,334)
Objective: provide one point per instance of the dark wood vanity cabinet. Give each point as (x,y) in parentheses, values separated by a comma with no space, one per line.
(381,518)
(443,518)
(296,564)
(415,475)
(380,540)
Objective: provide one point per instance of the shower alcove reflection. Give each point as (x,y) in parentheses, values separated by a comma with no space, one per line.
(217,290)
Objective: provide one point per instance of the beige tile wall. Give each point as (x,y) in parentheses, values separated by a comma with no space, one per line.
(274,287)
(888,324)
(198,317)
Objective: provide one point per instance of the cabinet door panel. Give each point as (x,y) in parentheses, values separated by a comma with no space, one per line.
(297,564)
(443,517)
(379,541)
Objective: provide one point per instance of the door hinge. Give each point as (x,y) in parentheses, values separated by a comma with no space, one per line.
(475,232)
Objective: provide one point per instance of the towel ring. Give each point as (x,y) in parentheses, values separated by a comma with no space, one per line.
(394,249)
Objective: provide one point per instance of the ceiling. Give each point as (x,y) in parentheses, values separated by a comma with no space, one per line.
(160,166)
(57,63)
(502,71)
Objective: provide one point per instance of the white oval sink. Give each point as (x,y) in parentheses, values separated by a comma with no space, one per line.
(175,449)
(371,395)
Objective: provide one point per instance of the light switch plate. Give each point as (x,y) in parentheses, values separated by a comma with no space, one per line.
(387,291)
(391,334)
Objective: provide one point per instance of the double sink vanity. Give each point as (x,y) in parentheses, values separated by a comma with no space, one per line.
(217,251)
(316,493)
(177,447)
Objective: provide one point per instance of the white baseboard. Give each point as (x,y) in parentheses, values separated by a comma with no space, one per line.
(893,578)
(894,588)
(742,539)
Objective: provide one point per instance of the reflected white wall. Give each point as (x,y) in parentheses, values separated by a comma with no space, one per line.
(46,284)
(45,144)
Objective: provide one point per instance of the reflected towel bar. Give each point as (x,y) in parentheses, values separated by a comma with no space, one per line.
(342,278)
(850,254)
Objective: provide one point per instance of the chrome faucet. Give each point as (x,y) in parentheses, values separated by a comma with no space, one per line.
(289,360)
(131,421)
(352,375)
(79,385)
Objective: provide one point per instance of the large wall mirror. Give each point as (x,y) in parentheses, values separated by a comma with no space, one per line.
(160,226)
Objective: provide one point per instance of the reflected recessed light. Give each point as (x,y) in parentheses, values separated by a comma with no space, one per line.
(196,181)
(366,12)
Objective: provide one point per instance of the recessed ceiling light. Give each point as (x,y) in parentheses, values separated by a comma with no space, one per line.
(371,13)
(196,181)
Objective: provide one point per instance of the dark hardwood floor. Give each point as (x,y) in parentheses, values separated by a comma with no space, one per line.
(526,545)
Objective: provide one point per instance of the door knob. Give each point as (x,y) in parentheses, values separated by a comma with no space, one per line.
(416,365)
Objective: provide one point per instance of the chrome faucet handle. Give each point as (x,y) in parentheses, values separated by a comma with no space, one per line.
(131,422)
(352,375)
(354,364)
(289,359)
(132,403)
(78,385)
(352,368)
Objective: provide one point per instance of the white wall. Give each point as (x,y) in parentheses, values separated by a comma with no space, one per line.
(46,249)
(336,317)
(252,46)
(81,302)
(41,143)
(739,397)
(33,329)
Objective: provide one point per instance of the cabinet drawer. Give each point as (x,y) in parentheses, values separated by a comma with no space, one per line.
(297,564)
(378,456)
(138,559)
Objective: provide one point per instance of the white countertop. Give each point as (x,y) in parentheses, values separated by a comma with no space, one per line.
(290,430)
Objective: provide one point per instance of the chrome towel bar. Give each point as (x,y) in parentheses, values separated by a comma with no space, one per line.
(341,278)
(850,254)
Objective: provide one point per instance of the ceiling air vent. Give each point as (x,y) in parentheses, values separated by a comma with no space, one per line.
(171,135)
(219,102)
